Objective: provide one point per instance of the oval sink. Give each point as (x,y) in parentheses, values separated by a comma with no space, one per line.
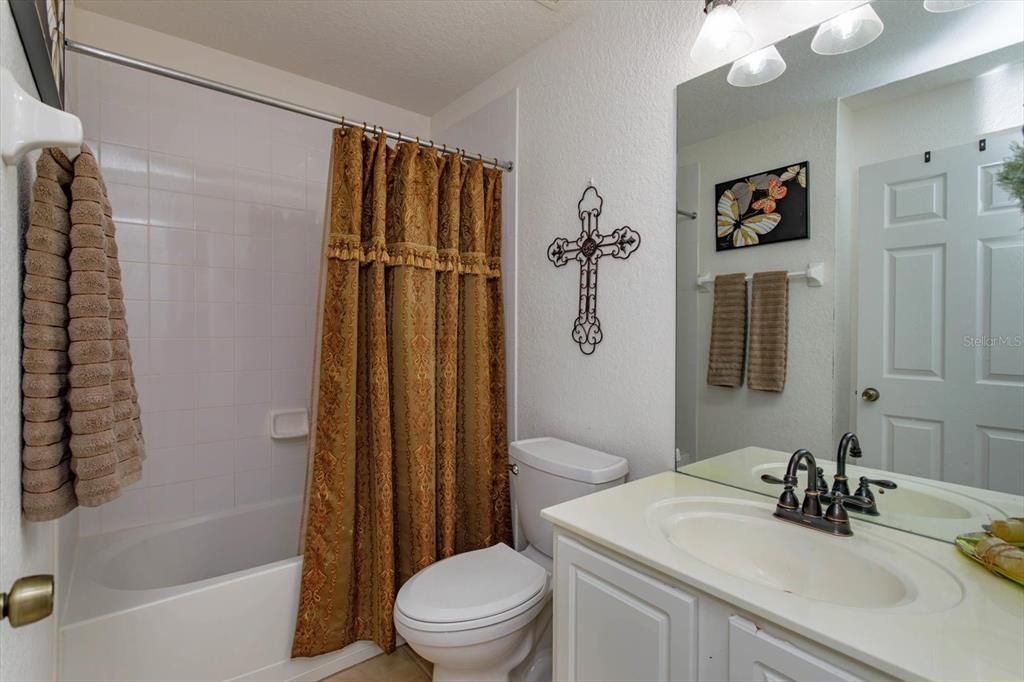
(743,539)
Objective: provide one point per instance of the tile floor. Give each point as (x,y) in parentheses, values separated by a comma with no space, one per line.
(401,666)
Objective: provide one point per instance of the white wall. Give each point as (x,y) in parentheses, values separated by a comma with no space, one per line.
(166,50)
(598,100)
(25,548)
(800,416)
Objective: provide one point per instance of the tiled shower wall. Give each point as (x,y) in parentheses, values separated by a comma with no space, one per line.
(218,204)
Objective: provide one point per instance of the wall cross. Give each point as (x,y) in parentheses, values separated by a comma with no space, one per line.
(587,249)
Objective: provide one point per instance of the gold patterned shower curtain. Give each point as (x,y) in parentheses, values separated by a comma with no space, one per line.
(408,450)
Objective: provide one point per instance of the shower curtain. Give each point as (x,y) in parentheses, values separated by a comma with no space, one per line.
(409,448)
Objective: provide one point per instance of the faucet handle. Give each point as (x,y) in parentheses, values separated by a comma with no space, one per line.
(880,482)
(774,480)
(836,511)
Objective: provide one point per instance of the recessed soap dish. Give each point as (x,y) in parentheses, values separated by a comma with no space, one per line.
(288,424)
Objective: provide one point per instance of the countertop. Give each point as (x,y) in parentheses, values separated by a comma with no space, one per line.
(980,638)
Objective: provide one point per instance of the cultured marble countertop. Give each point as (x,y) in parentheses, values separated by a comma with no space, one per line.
(980,638)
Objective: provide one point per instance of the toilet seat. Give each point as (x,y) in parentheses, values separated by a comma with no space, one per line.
(471,591)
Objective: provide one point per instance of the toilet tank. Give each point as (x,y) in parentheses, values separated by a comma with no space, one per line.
(551,471)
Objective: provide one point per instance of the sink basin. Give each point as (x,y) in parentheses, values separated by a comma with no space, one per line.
(865,571)
(911,499)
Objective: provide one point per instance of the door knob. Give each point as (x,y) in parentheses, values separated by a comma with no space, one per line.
(30,599)
(870,394)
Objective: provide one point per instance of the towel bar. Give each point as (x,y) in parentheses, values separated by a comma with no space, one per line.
(814,274)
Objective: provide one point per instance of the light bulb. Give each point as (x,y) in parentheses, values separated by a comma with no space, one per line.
(849,31)
(757,68)
(723,37)
(942,6)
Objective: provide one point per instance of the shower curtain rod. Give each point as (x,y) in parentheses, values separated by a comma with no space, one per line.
(209,84)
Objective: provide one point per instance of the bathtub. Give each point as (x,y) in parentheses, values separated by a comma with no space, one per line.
(206,598)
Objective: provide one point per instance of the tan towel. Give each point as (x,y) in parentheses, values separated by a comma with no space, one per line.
(82,435)
(769,331)
(728,331)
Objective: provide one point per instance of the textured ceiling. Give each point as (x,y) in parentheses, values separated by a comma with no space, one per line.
(416,54)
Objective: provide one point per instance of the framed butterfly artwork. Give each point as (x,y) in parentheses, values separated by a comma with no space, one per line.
(763,208)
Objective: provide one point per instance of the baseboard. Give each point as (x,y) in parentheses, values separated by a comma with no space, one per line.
(315,668)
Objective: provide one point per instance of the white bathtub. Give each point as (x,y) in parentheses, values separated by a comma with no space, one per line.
(207,598)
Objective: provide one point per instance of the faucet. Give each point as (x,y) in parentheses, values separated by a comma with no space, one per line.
(835,520)
(849,444)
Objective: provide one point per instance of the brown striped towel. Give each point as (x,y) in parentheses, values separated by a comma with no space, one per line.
(769,331)
(728,331)
(81,430)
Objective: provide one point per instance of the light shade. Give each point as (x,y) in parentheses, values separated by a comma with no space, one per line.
(848,32)
(941,6)
(723,37)
(757,68)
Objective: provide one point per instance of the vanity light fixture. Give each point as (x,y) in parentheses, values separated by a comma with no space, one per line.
(943,6)
(723,37)
(757,68)
(847,32)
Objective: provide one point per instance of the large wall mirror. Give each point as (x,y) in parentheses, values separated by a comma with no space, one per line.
(872,178)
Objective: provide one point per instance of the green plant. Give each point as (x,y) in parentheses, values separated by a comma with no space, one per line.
(1011,177)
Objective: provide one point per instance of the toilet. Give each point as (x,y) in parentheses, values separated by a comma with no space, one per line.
(486,614)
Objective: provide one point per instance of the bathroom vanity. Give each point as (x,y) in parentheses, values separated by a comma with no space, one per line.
(676,578)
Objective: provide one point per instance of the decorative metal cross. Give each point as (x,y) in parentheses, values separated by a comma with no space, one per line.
(588,248)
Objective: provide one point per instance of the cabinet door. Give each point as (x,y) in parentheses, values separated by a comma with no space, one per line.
(615,623)
(756,655)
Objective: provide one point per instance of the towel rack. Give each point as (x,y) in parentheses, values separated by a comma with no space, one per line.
(29,124)
(814,275)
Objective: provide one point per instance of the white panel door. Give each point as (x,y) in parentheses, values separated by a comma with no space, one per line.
(941,318)
(613,623)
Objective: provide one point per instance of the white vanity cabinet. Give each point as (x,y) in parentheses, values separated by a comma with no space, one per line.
(614,620)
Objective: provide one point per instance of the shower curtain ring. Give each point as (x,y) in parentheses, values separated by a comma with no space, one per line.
(364,127)
(444,148)
(496,164)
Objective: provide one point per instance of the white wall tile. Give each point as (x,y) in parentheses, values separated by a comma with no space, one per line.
(290,320)
(172,392)
(215,424)
(215,180)
(287,160)
(215,214)
(252,387)
(252,354)
(252,453)
(215,319)
(124,124)
(215,354)
(140,355)
(254,220)
(253,186)
(215,284)
(173,131)
(289,481)
(215,459)
(215,494)
(215,250)
(172,246)
(252,421)
(132,242)
(174,356)
(170,429)
(253,286)
(135,281)
(252,253)
(289,192)
(252,487)
(125,165)
(295,288)
(215,389)
(253,320)
(171,209)
(172,319)
(171,283)
(289,389)
(292,352)
(137,316)
(130,204)
(168,465)
(169,172)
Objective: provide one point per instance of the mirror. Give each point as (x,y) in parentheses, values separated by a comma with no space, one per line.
(872,179)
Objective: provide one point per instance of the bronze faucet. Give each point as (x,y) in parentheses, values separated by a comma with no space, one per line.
(835,519)
(848,444)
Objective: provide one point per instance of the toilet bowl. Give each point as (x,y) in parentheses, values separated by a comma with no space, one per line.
(486,614)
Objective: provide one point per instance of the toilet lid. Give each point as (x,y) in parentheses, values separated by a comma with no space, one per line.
(471,586)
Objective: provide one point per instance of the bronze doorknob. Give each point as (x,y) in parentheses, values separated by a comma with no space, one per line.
(30,599)
(870,394)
